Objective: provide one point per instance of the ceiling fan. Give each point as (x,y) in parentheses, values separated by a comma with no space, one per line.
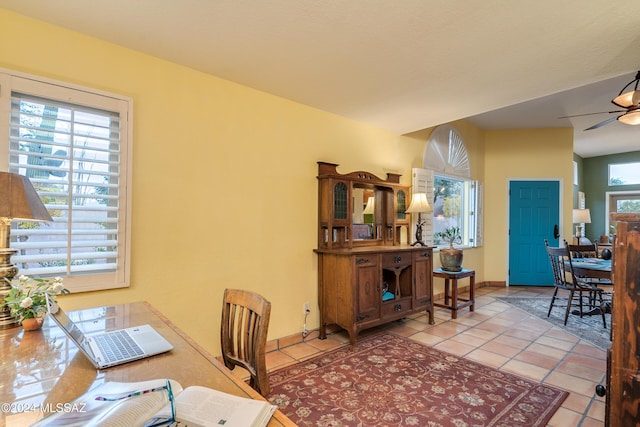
(628,100)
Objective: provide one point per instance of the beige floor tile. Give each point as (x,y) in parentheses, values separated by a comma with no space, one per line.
(453,347)
(571,383)
(301,351)
(426,338)
(501,349)
(565,418)
(469,339)
(577,403)
(555,343)
(597,411)
(487,358)
(590,422)
(278,359)
(330,343)
(526,370)
(538,359)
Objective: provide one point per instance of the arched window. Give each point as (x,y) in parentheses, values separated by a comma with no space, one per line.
(446,178)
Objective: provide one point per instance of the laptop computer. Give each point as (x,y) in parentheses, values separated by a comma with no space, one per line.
(111,348)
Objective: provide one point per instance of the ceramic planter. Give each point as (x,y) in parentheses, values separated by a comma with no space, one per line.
(451,259)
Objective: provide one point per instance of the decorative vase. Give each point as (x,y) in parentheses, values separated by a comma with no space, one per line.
(32,323)
(451,259)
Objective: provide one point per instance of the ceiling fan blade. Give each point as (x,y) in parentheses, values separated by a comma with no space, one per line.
(602,123)
(591,114)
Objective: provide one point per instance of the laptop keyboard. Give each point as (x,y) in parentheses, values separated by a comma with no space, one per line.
(117,345)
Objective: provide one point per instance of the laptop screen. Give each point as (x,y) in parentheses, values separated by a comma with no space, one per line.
(65,323)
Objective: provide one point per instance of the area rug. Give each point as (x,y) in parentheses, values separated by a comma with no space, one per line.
(390,380)
(589,328)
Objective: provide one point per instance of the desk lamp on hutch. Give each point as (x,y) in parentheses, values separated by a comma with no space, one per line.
(366,275)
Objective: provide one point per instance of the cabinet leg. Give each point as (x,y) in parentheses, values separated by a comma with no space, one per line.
(322,332)
(429,311)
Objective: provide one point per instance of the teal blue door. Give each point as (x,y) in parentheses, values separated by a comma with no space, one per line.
(534,215)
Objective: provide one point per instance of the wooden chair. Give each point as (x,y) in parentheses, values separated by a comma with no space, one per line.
(245,321)
(586,251)
(582,251)
(566,281)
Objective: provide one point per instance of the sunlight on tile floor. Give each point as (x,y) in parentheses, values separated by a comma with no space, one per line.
(503,337)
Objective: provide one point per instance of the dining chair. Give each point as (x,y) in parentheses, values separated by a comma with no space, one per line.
(245,321)
(586,251)
(565,281)
(582,251)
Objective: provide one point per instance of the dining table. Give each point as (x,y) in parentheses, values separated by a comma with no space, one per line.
(593,268)
(596,271)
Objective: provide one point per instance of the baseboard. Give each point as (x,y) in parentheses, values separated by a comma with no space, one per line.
(283,342)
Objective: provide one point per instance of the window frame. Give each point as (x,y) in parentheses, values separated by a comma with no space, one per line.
(611,198)
(12,81)
(423,180)
(633,165)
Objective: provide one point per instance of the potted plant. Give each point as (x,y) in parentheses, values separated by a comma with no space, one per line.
(450,258)
(27,299)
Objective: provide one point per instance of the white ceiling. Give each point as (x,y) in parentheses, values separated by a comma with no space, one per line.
(399,65)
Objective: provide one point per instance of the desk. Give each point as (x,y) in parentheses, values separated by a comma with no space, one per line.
(453,277)
(44,367)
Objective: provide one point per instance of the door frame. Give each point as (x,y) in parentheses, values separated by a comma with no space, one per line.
(560,182)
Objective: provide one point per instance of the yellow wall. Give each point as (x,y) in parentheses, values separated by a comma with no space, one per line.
(224,178)
(521,154)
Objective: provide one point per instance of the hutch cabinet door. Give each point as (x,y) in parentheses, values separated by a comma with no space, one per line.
(367,288)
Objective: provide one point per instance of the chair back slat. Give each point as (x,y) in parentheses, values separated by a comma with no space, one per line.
(245,321)
(582,251)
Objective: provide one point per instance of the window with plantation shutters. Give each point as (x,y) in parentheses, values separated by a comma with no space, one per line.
(455,198)
(73,144)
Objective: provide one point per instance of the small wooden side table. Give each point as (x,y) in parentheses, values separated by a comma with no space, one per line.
(451,301)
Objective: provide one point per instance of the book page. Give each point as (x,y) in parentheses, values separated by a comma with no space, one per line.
(123,411)
(206,407)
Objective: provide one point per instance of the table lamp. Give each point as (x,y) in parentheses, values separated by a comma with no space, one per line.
(419,205)
(18,201)
(581,216)
(369,209)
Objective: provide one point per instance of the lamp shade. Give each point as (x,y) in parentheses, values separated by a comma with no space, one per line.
(419,204)
(581,216)
(627,99)
(630,118)
(369,209)
(19,200)
(630,98)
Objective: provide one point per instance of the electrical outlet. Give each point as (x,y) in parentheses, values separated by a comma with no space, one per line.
(307,308)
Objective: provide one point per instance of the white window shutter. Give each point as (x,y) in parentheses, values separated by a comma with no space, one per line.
(475,213)
(74,146)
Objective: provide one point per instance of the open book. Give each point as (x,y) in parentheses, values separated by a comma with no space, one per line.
(118,404)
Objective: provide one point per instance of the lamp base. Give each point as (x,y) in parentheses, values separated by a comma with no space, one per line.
(7,273)
(419,225)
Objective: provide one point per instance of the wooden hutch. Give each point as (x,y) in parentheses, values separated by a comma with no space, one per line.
(366,275)
(623,367)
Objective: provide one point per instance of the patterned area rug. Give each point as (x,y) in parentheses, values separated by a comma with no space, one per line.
(389,380)
(588,328)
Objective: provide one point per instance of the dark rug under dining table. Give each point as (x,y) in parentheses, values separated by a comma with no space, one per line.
(389,380)
(588,328)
